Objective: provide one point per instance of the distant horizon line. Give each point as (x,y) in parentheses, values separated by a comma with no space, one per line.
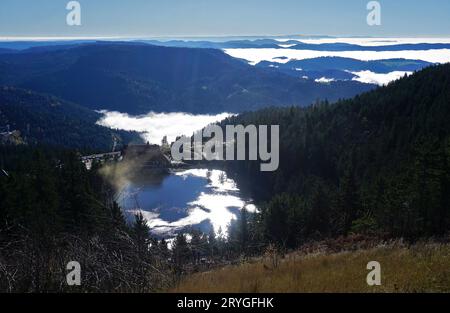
(296,36)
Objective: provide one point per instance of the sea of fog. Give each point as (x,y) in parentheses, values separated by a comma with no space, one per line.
(370,41)
(256,55)
(284,54)
(154,126)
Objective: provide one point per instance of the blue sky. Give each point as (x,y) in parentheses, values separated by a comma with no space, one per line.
(166,18)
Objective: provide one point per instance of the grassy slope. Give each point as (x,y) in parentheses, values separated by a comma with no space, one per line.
(420,268)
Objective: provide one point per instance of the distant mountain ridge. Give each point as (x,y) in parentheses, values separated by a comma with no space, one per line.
(296,44)
(230,43)
(340,68)
(137,78)
(377,164)
(340,63)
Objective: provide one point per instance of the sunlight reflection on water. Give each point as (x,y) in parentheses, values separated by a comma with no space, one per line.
(194,197)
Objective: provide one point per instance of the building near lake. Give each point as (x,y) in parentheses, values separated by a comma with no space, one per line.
(11,137)
(146,155)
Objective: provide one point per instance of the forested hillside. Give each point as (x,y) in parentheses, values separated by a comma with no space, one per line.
(48,120)
(138,78)
(53,211)
(377,164)
(340,68)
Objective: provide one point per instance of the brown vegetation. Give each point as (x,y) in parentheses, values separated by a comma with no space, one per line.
(418,268)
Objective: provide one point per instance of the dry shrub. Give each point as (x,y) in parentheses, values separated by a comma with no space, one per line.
(416,268)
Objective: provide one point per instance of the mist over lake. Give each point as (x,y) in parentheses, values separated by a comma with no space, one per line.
(154,126)
(205,198)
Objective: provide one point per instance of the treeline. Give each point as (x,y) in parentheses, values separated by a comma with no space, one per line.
(378,164)
(45,119)
(191,248)
(53,211)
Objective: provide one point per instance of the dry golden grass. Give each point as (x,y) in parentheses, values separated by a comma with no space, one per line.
(420,268)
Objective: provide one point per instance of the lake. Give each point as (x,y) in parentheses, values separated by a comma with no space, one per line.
(174,201)
(178,199)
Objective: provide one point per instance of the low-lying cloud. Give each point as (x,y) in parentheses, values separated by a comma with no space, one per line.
(324,80)
(369,41)
(256,55)
(154,126)
(381,79)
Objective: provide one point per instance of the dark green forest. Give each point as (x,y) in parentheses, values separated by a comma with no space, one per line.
(53,211)
(46,119)
(378,164)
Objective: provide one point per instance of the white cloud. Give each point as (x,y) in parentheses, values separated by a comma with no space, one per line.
(157,125)
(324,80)
(369,41)
(369,77)
(286,45)
(255,55)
